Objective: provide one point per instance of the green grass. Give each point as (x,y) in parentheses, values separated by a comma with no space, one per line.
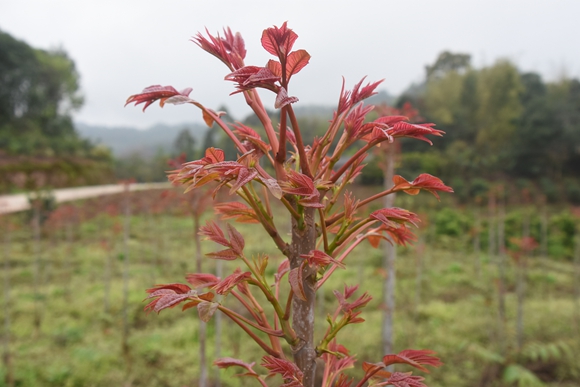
(78,343)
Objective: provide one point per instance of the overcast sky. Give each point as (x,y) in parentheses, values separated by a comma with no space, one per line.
(122,46)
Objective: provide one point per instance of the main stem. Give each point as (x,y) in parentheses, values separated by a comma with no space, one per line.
(303,241)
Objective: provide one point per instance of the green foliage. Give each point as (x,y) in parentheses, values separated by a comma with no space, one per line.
(78,345)
(572,189)
(39,90)
(500,124)
(451,222)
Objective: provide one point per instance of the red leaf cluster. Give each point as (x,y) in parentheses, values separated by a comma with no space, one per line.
(163,94)
(279,41)
(236,210)
(424,181)
(289,371)
(250,77)
(235,244)
(415,358)
(390,216)
(226,362)
(212,167)
(202,280)
(352,308)
(320,259)
(251,138)
(303,186)
(349,99)
(167,296)
(231,281)
(230,49)
(405,379)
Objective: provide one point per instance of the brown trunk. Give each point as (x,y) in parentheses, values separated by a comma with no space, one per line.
(501,272)
(202,328)
(125,338)
(477,244)
(577,279)
(37,261)
(218,327)
(389,262)
(521,285)
(7,359)
(303,241)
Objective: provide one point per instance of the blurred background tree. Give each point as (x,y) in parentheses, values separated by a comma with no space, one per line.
(38,92)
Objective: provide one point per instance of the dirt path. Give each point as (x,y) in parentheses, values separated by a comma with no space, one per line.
(19,202)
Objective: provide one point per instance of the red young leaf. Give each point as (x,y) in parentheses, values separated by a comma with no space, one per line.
(405,129)
(399,234)
(245,175)
(320,258)
(230,50)
(431,184)
(206,310)
(296,62)
(337,359)
(405,379)
(273,186)
(250,77)
(226,362)
(415,358)
(311,201)
(295,279)
(225,285)
(190,304)
(349,291)
(367,91)
(157,92)
(282,270)
(391,120)
(236,240)
(299,184)
(376,370)
(175,287)
(167,296)
(275,67)
(402,184)
(202,280)
(214,233)
(343,381)
(424,181)
(226,255)
(207,117)
(278,41)
(394,214)
(375,240)
(350,205)
(285,368)
(357,304)
(355,119)
(214,155)
(282,99)
(236,210)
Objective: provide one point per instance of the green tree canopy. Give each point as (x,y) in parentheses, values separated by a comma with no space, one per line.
(39,90)
(39,146)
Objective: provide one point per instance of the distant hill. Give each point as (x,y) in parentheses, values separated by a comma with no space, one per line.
(126,140)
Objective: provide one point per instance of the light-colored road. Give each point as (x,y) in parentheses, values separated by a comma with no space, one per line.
(19,202)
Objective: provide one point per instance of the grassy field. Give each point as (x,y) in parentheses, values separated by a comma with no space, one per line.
(65,331)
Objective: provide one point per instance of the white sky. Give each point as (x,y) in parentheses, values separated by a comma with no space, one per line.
(122,46)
